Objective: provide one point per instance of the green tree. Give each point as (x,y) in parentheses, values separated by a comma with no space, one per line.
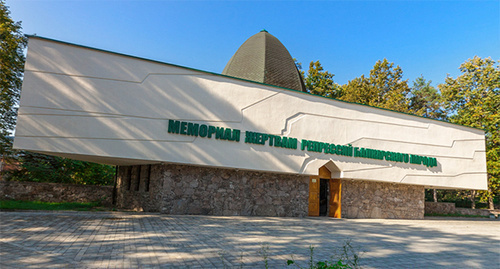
(473,99)
(12,44)
(425,100)
(321,82)
(384,88)
(44,168)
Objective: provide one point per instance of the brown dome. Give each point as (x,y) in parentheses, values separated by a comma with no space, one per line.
(262,58)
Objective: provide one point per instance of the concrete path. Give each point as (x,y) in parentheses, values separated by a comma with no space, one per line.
(140,240)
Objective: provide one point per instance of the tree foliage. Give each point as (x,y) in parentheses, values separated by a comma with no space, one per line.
(321,82)
(43,168)
(384,88)
(425,100)
(12,44)
(473,99)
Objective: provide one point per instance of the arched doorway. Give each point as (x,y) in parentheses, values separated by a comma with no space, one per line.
(325,194)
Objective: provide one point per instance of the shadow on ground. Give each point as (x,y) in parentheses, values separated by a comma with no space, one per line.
(125,240)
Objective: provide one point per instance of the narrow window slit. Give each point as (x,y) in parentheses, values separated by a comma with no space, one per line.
(138,178)
(148,178)
(129,177)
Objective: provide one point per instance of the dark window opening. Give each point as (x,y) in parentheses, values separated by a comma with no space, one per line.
(129,177)
(148,179)
(138,177)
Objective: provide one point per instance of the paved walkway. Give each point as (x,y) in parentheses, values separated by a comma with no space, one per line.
(137,240)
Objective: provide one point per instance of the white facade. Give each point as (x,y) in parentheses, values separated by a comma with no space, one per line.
(104,107)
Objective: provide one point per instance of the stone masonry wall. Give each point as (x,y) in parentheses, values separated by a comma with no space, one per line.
(439,208)
(55,192)
(449,208)
(182,189)
(139,187)
(364,199)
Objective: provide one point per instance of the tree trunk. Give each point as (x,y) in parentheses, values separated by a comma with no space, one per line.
(434,195)
(491,206)
(473,198)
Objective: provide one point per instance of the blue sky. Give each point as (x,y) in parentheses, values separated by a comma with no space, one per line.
(429,38)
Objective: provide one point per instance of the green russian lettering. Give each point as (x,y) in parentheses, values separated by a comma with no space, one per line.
(303,144)
(219,133)
(174,126)
(284,142)
(310,145)
(349,150)
(327,148)
(248,137)
(425,161)
(343,150)
(321,146)
(236,135)
(192,129)
(265,137)
(434,162)
(227,134)
(277,141)
(203,130)
(211,131)
(362,152)
(183,128)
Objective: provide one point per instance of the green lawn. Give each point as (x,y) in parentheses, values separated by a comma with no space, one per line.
(37,205)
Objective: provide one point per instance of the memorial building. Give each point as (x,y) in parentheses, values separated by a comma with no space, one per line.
(249,141)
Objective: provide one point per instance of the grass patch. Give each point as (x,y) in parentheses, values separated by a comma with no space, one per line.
(346,257)
(37,205)
(454,215)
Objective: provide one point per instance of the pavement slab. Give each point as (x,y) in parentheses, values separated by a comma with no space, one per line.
(65,239)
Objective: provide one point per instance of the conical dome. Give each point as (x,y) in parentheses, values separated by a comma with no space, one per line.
(262,58)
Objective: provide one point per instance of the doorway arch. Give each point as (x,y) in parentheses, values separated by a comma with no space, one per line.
(324,186)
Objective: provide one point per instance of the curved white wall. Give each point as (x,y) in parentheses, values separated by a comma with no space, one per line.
(104,107)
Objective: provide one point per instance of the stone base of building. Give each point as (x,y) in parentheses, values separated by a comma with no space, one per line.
(378,200)
(183,189)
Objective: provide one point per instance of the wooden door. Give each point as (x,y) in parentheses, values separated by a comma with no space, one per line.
(314,196)
(335,198)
